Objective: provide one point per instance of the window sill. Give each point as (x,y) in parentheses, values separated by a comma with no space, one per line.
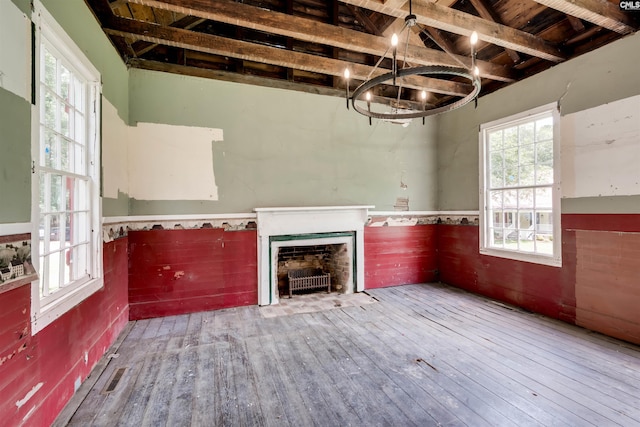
(17,283)
(524,257)
(49,313)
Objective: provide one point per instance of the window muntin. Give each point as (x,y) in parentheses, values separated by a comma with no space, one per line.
(521,201)
(66,206)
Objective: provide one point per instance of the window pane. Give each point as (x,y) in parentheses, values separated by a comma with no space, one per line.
(497,237)
(79,160)
(78,133)
(49,151)
(510,199)
(81,201)
(78,91)
(544,198)
(511,138)
(527,154)
(44,278)
(544,129)
(544,174)
(64,119)
(42,232)
(49,70)
(64,155)
(511,167)
(80,261)
(526,231)
(497,218)
(525,133)
(65,81)
(67,234)
(80,227)
(495,141)
(497,170)
(54,232)
(53,275)
(544,152)
(42,193)
(527,175)
(69,194)
(66,266)
(49,111)
(525,198)
(495,202)
(56,193)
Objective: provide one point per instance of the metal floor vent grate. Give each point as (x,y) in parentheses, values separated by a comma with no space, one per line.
(115,380)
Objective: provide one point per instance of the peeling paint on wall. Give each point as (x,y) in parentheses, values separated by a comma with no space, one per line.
(15,58)
(169,162)
(20,403)
(601,150)
(115,162)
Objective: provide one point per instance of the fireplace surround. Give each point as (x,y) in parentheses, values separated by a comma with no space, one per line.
(306,226)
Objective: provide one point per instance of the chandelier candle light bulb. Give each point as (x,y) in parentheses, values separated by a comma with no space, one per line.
(394,65)
(346,77)
(474,41)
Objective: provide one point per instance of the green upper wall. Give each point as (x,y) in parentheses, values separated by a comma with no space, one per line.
(24,6)
(287,148)
(606,75)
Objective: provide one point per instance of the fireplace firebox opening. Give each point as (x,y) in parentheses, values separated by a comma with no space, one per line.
(323,262)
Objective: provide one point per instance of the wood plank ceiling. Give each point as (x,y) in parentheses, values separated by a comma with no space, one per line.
(305,45)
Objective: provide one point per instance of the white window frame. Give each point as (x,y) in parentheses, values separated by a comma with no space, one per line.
(45,311)
(554,259)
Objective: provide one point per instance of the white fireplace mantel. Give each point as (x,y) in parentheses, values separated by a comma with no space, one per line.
(285,221)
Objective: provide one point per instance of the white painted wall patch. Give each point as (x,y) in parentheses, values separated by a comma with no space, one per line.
(168,162)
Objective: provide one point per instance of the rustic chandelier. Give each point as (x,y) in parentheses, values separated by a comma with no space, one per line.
(361,97)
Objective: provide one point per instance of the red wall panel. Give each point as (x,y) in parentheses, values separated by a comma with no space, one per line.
(185,271)
(598,285)
(608,283)
(38,373)
(540,288)
(399,255)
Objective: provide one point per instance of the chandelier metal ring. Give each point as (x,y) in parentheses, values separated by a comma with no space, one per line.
(432,70)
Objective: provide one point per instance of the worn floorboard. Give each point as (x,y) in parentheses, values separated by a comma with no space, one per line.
(422,355)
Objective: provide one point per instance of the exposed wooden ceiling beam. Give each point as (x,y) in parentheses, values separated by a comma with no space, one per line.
(576,23)
(394,3)
(217,45)
(364,20)
(192,23)
(487,12)
(313,31)
(257,80)
(455,21)
(600,12)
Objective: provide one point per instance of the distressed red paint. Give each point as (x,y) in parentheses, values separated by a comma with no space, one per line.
(51,361)
(399,255)
(185,271)
(558,292)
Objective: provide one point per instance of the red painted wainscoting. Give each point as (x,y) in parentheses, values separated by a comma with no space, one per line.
(39,374)
(399,255)
(186,271)
(608,273)
(598,285)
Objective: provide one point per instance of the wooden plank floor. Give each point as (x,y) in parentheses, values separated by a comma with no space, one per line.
(422,355)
